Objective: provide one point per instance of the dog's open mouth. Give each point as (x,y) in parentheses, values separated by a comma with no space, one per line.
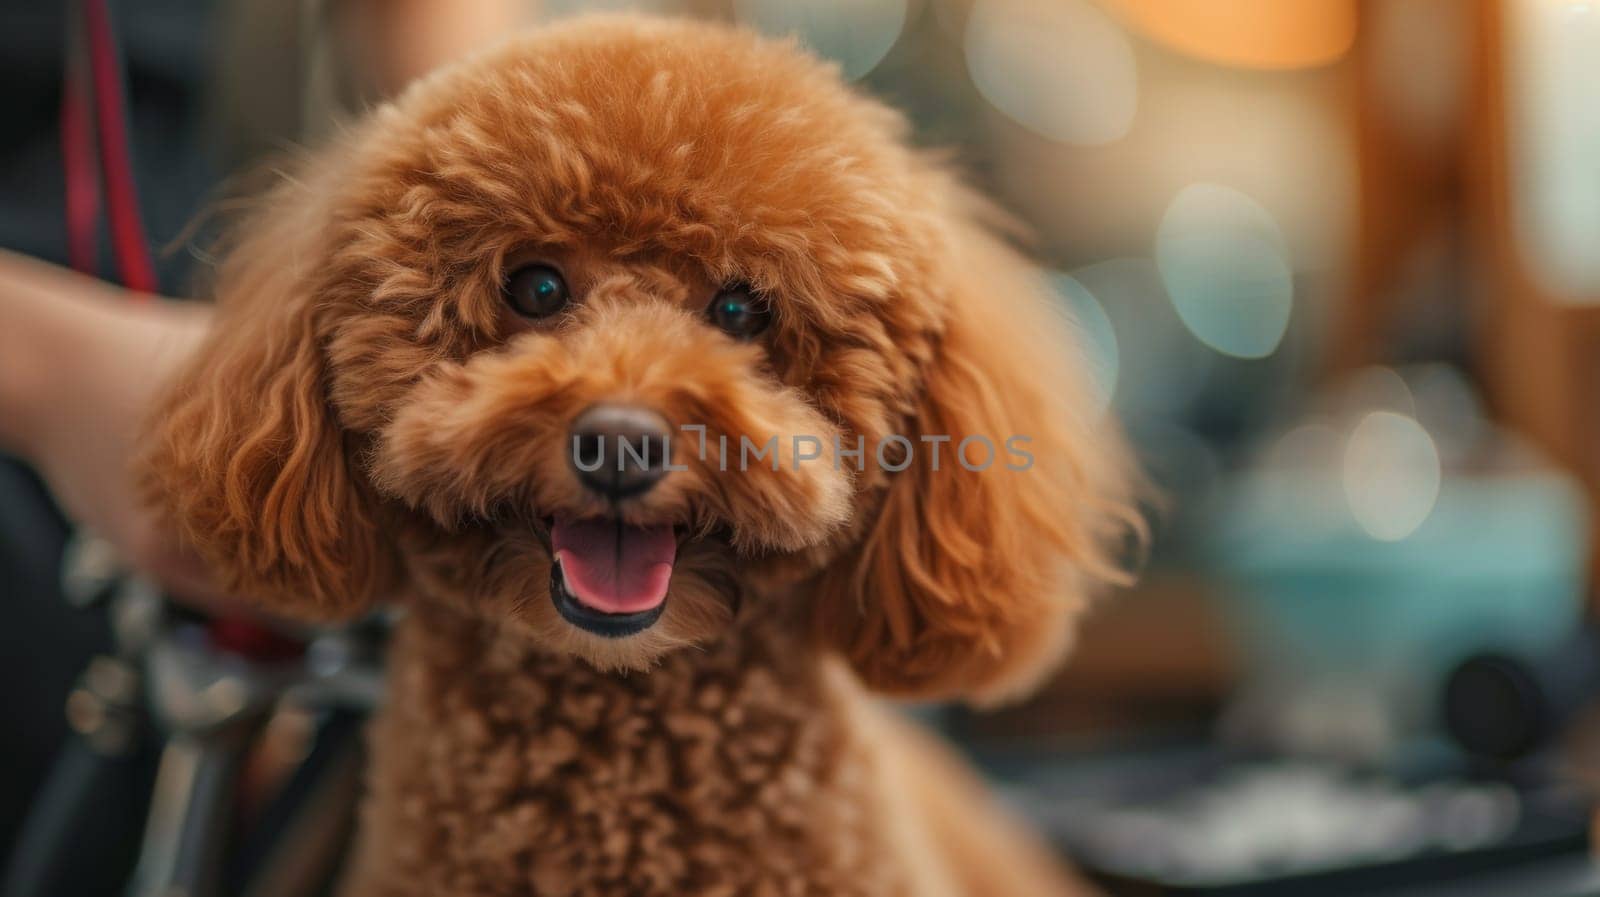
(610,578)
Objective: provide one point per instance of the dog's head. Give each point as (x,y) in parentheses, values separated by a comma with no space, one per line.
(618,328)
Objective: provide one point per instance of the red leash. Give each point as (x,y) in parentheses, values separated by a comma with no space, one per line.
(95,151)
(94,105)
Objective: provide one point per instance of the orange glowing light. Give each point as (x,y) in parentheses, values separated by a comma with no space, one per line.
(1262,34)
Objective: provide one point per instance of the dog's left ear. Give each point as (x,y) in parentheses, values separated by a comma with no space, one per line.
(966,581)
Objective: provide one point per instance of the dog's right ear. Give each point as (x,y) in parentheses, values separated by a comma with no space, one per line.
(245,455)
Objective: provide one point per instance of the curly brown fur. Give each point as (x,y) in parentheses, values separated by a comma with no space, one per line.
(371,422)
(714,773)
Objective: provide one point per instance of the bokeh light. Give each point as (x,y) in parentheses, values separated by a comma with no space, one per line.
(1096,335)
(1207,127)
(1268,34)
(1062,69)
(1172,368)
(1391,475)
(1553,101)
(1375,388)
(857,34)
(1226,266)
(1285,142)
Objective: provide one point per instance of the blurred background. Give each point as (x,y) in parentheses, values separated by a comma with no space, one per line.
(1335,265)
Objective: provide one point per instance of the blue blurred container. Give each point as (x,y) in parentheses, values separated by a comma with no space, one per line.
(1498,564)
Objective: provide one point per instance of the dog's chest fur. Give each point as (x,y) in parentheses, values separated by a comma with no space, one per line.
(733,770)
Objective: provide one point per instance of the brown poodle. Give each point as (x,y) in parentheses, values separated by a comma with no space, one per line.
(698,254)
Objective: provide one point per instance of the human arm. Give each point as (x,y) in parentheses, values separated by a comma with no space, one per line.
(80,365)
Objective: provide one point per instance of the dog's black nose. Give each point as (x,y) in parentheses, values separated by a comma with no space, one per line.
(620,450)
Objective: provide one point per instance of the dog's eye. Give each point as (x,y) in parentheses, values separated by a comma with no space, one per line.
(536,291)
(739,311)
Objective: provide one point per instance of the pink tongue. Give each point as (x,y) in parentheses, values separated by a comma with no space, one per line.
(613,568)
